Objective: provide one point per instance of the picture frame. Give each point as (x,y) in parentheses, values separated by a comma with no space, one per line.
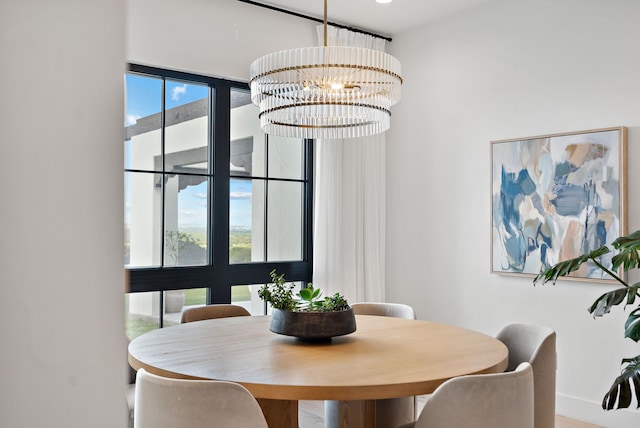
(555,197)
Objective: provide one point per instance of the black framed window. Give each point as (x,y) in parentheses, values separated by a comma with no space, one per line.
(212,204)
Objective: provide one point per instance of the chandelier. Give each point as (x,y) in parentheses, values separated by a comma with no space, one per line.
(325,92)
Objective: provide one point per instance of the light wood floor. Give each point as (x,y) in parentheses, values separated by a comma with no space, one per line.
(563,422)
(311,415)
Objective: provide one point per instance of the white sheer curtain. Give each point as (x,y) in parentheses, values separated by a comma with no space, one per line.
(349,233)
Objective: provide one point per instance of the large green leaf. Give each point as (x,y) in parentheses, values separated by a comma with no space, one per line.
(628,252)
(566,267)
(604,303)
(633,293)
(632,326)
(621,390)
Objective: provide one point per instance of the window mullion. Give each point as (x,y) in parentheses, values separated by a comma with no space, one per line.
(163,171)
(213,90)
(307,246)
(221,291)
(163,193)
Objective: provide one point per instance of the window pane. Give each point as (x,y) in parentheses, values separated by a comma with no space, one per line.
(246,221)
(187,127)
(284,217)
(141,311)
(142,121)
(186,219)
(195,297)
(247,297)
(143,218)
(247,139)
(176,301)
(241,157)
(173,304)
(285,157)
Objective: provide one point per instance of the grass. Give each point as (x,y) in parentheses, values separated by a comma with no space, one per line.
(135,326)
(195,296)
(240,293)
(198,296)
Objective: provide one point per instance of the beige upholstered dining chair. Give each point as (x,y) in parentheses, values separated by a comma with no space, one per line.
(213,311)
(180,403)
(130,396)
(391,412)
(503,400)
(189,315)
(130,390)
(397,310)
(537,346)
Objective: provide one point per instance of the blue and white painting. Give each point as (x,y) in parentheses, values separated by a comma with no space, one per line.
(556,197)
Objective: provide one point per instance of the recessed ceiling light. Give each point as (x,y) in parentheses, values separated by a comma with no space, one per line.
(383,1)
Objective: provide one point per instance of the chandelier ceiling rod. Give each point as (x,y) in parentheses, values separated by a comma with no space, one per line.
(325,23)
(311,18)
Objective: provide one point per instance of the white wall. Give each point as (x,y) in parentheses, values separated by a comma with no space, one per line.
(63,352)
(507,69)
(216,38)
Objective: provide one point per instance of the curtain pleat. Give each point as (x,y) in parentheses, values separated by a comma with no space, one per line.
(349,218)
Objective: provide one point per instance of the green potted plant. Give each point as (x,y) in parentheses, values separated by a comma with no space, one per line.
(628,258)
(306,315)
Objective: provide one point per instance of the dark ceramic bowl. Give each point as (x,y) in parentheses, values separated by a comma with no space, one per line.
(313,326)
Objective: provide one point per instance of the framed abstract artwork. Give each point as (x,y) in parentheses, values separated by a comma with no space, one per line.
(555,197)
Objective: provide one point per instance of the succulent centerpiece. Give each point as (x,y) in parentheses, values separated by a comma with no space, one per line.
(306,315)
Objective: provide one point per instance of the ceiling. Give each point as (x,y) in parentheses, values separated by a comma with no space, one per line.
(384,19)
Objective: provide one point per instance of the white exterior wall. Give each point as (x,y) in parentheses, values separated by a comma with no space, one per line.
(145,208)
(508,69)
(245,124)
(145,228)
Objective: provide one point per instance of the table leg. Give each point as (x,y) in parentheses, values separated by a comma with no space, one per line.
(353,414)
(280,413)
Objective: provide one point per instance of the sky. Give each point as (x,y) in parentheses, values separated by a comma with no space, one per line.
(143,98)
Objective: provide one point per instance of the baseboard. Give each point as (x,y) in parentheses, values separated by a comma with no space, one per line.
(592,412)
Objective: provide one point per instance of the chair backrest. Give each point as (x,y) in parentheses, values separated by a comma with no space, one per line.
(213,311)
(397,310)
(131,379)
(536,345)
(390,412)
(179,403)
(130,390)
(502,400)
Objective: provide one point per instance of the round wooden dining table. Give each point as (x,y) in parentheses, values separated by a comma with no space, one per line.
(385,357)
